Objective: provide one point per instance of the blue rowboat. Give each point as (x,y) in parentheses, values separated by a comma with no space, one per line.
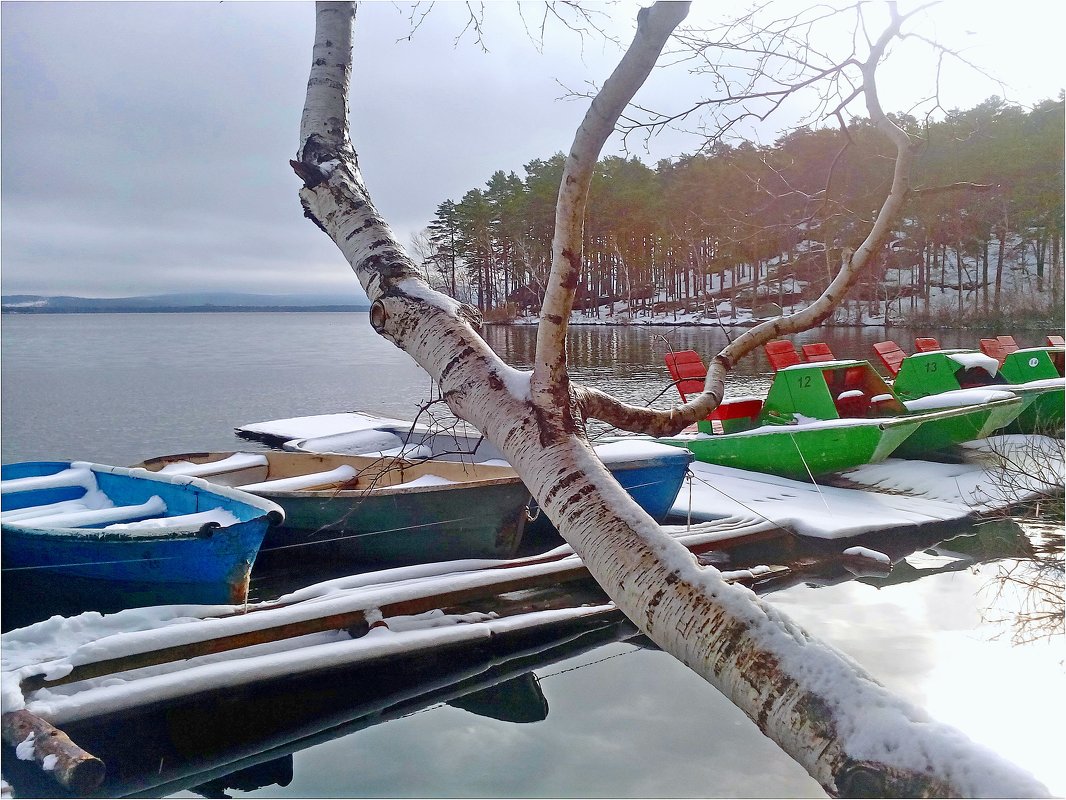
(97,525)
(650,472)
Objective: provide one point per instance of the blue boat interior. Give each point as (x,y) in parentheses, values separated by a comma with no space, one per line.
(121,488)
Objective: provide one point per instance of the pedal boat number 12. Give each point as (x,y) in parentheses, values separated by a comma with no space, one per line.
(836,415)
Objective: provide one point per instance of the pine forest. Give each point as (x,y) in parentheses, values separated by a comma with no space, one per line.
(742,232)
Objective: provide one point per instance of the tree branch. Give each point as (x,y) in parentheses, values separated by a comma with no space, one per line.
(654,27)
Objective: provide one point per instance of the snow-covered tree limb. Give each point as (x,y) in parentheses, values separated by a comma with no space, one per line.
(850,733)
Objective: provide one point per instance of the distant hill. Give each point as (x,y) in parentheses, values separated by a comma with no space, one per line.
(191,301)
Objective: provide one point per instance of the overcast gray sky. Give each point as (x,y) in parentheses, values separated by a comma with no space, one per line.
(146,145)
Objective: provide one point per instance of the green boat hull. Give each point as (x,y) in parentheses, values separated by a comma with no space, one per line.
(1044,412)
(940,430)
(833,416)
(407,528)
(799,451)
(1030,374)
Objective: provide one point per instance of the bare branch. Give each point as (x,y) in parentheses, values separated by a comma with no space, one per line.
(654,26)
(959,186)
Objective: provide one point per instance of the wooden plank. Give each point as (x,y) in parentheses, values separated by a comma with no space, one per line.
(351,620)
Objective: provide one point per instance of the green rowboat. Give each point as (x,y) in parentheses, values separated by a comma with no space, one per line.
(373,510)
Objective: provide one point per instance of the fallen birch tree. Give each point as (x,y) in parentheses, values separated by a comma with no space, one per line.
(848,732)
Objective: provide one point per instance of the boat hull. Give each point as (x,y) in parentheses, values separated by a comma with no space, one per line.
(798,451)
(404,528)
(382,511)
(201,563)
(212,566)
(1044,413)
(654,486)
(944,428)
(1028,374)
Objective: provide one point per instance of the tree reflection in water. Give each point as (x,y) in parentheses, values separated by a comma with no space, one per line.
(1029,592)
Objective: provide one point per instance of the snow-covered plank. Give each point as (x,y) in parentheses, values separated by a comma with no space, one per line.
(229,464)
(296,482)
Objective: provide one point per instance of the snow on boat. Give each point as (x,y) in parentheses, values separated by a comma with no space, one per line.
(116,528)
(650,472)
(277,432)
(1033,374)
(370,509)
(825,417)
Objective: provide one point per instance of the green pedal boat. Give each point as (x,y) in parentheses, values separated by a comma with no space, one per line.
(831,416)
(1033,374)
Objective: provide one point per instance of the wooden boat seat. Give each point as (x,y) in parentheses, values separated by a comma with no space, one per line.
(73,477)
(993,349)
(1008,344)
(233,463)
(891,355)
(329,479)
(817,351)
(781,353)
(13,515)
(1054,340)
(688,372)
(153,507)
(926,344)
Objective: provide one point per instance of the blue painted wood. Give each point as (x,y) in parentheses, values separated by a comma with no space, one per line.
(653,482)
(212,555)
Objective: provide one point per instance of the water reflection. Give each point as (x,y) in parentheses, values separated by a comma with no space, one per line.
(1028,595)
(535,713)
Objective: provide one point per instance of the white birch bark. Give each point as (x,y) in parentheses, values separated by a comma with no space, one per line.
(846,730)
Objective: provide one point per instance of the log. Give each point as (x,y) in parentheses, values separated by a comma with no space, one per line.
(72,767)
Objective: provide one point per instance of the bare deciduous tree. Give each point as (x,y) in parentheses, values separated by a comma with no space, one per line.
(850,733)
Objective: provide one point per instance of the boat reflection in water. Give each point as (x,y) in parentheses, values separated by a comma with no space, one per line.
(240,736)
(244,737)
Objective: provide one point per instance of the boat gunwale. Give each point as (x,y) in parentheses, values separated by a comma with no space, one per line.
(268,509)
(505,475)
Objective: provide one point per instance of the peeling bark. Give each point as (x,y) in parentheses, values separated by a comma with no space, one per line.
(814,702)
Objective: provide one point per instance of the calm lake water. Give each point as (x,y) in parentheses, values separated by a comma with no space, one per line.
(622,720)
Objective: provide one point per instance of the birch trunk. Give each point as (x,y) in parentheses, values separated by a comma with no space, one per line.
(824,711)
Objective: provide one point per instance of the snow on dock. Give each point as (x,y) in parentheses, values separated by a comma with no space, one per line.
(997,472)
(824,512)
